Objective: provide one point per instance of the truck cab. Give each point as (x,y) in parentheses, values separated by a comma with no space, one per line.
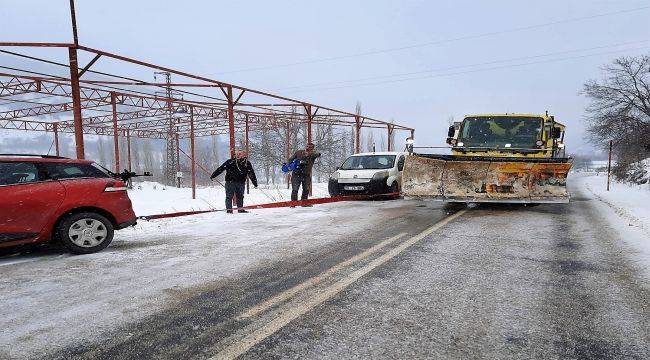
(507,135)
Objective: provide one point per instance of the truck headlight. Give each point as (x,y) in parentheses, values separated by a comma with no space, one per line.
(380,175)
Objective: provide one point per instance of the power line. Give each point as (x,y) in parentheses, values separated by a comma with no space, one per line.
(437,42)
(461,66)
(472,71)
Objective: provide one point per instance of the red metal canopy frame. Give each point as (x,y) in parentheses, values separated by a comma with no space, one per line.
(108,104)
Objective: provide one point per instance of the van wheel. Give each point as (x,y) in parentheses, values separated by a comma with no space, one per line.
(85,233)
(394,187)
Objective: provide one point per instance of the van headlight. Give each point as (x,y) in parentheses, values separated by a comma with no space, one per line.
(380,175)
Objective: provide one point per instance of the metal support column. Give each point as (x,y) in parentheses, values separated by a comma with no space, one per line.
(76,103)
(192,152)
(74,84)
(390,137)
(357,134)
(231,120)
(128,150)
(248,185)
(55,128)
(309,120)
(178,162)
(288,152)
(116,141)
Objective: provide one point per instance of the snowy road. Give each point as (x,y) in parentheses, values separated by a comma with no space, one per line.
(399,279)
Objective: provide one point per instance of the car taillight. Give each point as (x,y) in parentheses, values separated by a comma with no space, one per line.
(115,186)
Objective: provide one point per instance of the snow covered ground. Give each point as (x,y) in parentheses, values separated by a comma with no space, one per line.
(627,207)
(158,263)
(153,198)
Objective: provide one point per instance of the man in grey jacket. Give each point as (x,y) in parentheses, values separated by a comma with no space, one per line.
(302,174)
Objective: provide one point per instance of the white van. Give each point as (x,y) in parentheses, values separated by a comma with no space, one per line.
(368,174)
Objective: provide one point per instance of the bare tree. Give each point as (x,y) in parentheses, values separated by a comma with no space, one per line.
(101,152)
(370,141)
(135,151)
(620,109)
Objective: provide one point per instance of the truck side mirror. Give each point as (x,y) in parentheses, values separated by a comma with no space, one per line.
(556,133)
(452,131)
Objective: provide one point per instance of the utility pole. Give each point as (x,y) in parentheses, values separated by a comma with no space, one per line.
(609,163)
(171,164)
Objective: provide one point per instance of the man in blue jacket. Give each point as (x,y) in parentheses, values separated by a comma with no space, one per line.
(237,169)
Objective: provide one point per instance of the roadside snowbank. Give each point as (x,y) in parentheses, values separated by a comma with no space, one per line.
(153,198)
(627,207)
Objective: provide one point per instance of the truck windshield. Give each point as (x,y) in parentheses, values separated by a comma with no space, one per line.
(500,132)
(368,162)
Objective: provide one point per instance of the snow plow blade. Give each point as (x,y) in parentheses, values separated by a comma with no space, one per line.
(454,178)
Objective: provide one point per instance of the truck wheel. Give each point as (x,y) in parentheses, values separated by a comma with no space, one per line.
(85,233)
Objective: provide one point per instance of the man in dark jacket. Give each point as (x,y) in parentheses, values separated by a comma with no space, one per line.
(302,174)
(237,169)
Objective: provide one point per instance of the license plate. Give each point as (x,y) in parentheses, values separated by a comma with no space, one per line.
(353,188)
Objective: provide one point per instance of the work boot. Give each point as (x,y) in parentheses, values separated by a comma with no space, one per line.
(229,211)
(242,211)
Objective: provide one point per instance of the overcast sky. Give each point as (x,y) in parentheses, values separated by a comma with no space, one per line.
(460,57)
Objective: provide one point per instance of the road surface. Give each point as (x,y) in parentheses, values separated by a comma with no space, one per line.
(421,280)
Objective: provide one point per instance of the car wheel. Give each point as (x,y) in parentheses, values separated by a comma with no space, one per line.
(85,233)
(394,187)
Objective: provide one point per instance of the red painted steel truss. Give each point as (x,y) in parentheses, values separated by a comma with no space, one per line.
(97,103)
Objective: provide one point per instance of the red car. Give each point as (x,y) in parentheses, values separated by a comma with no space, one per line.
(76,202)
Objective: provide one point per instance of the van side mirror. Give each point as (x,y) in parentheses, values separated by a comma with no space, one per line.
(452,131)
(556,133)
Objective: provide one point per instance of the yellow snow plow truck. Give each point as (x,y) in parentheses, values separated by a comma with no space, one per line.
(504,158)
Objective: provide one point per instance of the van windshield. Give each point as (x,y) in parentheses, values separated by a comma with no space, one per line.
(368,162)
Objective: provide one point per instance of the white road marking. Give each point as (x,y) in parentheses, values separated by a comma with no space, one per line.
(243,345)
(287,294)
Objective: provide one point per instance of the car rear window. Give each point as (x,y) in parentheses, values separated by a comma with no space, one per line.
(12,173)
(60,171)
